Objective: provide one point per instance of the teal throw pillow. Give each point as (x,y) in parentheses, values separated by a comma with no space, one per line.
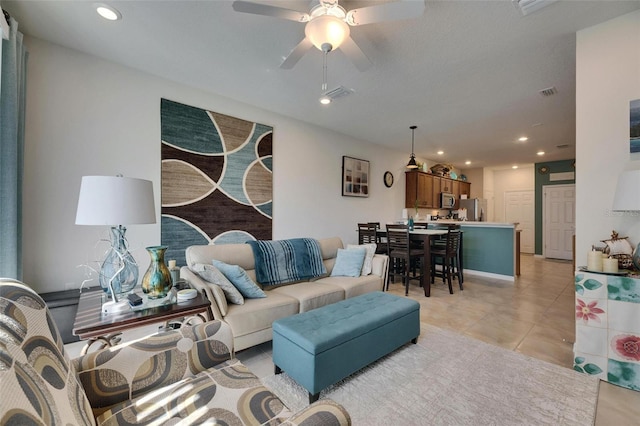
(240,280)
(349,262)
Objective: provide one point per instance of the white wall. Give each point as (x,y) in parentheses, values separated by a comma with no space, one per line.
(86,116)
(476,178)
(608,77)
(520,179)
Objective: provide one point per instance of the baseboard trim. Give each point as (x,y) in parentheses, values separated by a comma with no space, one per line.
(489,275)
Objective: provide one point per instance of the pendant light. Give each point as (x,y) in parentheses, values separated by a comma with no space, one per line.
(412,161)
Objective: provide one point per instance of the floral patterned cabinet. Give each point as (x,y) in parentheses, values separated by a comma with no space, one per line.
(608,328)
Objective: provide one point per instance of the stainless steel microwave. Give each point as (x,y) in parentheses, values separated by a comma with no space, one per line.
(447,200)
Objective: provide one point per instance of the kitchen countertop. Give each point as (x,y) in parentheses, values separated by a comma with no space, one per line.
(471,223)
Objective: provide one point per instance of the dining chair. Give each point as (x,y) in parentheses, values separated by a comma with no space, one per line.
(448,257)
(402,254)
(368,233)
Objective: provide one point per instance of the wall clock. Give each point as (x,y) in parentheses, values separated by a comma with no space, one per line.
(388,179)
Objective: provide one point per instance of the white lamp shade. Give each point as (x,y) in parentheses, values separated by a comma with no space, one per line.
(627,196)
(327,29)
(115,200)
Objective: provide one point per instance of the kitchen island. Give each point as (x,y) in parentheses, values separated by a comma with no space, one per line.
(489,248)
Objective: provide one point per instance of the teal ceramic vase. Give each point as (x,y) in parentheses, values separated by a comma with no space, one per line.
(156,282)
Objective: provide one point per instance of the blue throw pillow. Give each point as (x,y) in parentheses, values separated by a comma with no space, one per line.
(240,280)
(349,263)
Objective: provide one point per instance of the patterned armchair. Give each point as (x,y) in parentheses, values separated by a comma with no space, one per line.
(184,374)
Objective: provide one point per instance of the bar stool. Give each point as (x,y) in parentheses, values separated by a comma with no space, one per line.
(401,253)
(439,244)
(448,257)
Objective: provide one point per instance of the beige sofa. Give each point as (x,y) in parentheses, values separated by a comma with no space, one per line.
(251,322)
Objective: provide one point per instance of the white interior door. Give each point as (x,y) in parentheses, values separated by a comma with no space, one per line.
(519,206)
(559,203)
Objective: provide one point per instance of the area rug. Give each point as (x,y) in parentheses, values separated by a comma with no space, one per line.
(449,379)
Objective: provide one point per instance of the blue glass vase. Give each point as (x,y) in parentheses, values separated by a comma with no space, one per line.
(410,223)
(156,282)
(119,266)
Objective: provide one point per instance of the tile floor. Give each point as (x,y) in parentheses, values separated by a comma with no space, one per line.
(533,315)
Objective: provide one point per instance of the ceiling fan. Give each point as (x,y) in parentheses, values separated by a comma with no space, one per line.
(327,25)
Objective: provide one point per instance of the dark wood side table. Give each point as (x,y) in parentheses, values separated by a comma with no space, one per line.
(92,325)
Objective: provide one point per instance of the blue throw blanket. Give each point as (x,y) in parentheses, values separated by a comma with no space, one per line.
(285,261)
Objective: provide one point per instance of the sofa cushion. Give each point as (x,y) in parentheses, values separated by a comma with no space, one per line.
(349,263)
(258,314)
(355,286)
(234,254)
(230,394)
(368,258)
(213,275)
(312,295)
(240,280)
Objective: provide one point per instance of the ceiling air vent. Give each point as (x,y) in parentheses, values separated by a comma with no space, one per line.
(529,6)
(548,91)
(338,92)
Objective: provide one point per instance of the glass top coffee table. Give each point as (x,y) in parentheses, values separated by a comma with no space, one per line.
(95,326)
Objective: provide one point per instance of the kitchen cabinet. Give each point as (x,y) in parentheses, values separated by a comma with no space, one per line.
(419,186)
(446,185)
(426,188)
(435,196)
(465,189)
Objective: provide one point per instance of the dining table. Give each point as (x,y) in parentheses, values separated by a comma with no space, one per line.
(424,235)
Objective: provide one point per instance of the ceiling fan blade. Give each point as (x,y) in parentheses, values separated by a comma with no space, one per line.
(355,54)
(276,12)
(394,11)
(297,53)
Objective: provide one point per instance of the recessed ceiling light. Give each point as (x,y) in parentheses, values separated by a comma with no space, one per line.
(440,152)
(108,12)
(467,162)
(523,139)
(325,100)
(540,152)
(514,167)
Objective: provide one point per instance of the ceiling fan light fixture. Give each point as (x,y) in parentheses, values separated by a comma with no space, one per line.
(326,29)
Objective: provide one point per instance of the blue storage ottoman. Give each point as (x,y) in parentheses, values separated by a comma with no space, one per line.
(323,346)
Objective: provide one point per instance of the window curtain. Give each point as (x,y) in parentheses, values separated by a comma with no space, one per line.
(13,70)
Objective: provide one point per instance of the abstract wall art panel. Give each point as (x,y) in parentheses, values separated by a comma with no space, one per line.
(634,127)
(216,179)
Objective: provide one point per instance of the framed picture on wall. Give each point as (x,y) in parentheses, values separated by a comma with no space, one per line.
(634,129)
(355,177)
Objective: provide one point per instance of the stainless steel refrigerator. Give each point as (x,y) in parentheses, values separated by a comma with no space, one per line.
(476,209)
